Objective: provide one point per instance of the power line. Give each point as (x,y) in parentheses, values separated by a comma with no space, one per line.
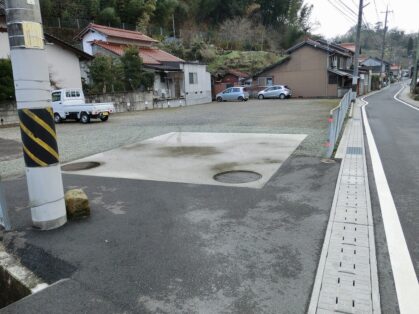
(349,18)
(376,10)
(347,7)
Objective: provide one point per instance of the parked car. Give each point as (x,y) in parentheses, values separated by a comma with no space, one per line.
(238,93)
(276,91)
(70,104)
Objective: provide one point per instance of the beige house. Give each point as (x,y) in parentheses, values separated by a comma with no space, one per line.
(311,69)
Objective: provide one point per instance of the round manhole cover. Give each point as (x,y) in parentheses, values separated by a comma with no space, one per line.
(80,166)
(237,176)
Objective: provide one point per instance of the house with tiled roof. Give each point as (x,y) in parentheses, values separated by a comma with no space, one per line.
(174,77)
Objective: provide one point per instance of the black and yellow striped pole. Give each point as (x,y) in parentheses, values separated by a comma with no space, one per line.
(39,139)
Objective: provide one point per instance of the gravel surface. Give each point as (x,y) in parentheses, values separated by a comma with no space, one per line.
(294,116)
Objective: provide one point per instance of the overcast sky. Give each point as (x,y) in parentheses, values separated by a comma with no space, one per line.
(332,22)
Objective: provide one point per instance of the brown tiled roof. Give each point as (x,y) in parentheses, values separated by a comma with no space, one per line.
(238,73)
(151,56)
(118,33)
(349,46)
(323,45)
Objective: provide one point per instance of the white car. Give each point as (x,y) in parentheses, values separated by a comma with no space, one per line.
(70,104)
(276,91)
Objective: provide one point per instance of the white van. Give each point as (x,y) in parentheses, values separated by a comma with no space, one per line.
(70,104)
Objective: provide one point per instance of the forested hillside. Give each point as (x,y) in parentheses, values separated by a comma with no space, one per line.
(399,46)
(276,23)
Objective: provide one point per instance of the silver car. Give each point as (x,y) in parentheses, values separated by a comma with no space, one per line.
(276,91)
(237,93)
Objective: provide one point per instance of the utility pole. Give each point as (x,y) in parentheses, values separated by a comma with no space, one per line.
(415,66)
(173,25)
(32,89)
(357,46)
(383,47)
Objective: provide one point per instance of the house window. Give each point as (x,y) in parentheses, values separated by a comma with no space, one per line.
(265,81)
(334,61)
(333,78)
(193,78)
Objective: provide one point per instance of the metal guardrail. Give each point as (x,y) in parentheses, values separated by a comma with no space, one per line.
(337,119)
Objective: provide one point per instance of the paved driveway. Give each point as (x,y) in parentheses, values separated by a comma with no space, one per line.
(293,116)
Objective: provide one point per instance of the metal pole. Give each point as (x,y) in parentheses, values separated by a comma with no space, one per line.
(4,215)
(32,88)
(357,46)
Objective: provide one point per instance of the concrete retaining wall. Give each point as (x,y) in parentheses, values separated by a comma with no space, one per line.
(123,102)
(8,113)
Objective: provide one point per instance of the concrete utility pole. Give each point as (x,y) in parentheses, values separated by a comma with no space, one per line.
(32,88)
(357,46)
(384,45)
(415,66)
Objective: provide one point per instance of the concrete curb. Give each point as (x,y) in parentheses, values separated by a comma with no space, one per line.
(406,100)
(19,281)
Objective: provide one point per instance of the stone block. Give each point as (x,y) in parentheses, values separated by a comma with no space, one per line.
(77,204)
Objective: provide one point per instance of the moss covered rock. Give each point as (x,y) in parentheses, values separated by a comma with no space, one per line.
(77,204)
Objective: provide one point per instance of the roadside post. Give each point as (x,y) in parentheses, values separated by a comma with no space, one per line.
(4,215)
(32,89)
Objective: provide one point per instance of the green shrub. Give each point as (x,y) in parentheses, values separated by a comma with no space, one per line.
(7,88)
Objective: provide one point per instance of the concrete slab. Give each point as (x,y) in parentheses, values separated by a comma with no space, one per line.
(193,157)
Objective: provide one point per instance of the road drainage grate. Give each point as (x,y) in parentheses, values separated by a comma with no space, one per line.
(354,150)
(77,166)
(237,176)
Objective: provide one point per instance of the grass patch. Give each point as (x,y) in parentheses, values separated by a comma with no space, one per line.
(247,61)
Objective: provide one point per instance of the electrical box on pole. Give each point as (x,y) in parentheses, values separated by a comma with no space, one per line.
(32,88)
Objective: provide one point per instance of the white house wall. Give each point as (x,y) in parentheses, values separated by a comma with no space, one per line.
(64,67)
(90,36)
(199,93)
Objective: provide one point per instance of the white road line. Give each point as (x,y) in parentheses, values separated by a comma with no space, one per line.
(403,102)
(405,280)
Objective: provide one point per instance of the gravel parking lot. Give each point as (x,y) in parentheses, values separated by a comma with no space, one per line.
(294,116)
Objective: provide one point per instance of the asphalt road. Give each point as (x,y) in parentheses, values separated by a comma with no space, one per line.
(159,247)
(395,127)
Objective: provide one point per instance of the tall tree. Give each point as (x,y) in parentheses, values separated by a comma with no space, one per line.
(409,46)
(7,90)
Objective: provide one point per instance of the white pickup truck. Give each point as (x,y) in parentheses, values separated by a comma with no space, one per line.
(70,104)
